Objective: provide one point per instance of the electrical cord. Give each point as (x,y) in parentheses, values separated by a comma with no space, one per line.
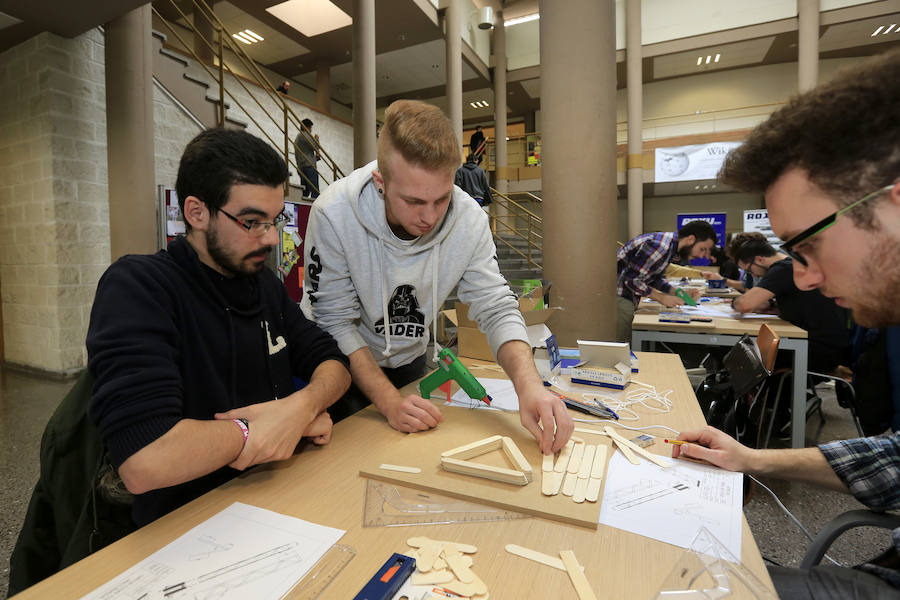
(790,515)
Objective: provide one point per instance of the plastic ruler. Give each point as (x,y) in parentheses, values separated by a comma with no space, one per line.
(388,505)
(322,573)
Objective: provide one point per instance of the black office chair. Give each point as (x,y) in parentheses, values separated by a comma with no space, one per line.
(844,522)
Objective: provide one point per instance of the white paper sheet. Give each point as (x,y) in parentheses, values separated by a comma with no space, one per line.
(241,552)
(670,505)
(502,393)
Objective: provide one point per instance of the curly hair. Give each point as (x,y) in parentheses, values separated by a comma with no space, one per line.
(739,239)
(845,135)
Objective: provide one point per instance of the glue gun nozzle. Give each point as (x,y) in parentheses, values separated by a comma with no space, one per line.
(487,400)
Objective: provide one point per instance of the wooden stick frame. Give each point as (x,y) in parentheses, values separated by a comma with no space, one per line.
(457,460)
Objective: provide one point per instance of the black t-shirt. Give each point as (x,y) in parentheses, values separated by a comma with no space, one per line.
(826,322)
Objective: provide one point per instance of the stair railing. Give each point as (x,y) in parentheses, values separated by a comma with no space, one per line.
(218,47)
(514,221)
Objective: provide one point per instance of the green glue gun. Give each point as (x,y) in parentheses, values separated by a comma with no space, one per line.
(681,293)
(450,367)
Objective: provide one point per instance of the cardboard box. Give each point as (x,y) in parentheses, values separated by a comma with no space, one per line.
(474,344)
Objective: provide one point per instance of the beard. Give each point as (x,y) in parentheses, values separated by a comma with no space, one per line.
(684,255)
(226,259)
(879,307)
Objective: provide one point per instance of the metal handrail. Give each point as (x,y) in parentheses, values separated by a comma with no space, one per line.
(260,80)
(533,233)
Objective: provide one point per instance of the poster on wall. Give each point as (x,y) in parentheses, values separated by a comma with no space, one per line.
(169,222)
(717,220)
(758,220)
(292,237)
(691,163)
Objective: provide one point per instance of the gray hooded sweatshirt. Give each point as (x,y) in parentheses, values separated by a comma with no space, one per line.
(359,276)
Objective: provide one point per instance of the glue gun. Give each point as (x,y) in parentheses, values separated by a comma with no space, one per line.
(681,293)
(450,367)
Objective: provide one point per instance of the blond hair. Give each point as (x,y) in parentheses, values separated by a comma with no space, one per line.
(421,133)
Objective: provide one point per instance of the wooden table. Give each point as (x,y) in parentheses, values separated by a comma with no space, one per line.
(322,485)
(646,329)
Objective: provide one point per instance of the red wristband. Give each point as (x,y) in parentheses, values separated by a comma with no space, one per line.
(245,429)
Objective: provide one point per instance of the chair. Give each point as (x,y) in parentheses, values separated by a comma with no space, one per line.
(767,342)
(841,523)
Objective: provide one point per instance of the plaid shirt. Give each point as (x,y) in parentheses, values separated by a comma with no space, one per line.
(870,468)
(641,265)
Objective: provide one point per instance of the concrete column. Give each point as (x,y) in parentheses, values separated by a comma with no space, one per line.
(500,156)
(205,30)
(453,46)
(129,133)
(364,148)
(635,81)
(578,116)
(807,44)
(323,87)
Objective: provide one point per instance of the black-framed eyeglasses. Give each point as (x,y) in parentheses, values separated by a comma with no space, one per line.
(257,228)
(806,234)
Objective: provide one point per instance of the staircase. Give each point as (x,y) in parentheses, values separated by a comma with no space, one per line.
(512,265)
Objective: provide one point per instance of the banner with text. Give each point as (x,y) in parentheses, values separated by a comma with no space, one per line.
(691,163)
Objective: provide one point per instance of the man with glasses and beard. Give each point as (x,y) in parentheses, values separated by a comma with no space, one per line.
(641,266)
(828,163)
(193,349)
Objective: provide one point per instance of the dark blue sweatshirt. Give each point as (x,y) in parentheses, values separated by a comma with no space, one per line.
(170,338)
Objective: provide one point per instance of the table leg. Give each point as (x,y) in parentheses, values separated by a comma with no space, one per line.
(798,412)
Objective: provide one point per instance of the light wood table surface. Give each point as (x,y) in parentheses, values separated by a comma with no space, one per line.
(647,329)
(322,485)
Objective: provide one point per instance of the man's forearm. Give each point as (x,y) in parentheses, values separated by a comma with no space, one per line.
(370,379)
(328,383)
(209,445)
(803,464)
(517,361)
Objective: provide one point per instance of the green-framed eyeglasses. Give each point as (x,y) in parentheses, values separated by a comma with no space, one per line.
(806,234)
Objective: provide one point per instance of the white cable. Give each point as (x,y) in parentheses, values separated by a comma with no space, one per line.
(789,514)
(614,422)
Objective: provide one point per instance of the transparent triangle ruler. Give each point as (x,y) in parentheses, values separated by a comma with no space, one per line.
(389,505)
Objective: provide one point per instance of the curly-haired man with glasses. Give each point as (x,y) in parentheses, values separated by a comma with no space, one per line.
(828,163)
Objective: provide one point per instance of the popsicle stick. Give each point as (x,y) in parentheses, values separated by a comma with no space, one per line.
(582,587)
(587,462)
(563,461)
(569,484)
(575,459)
(599,467)
(580,490)
(401,468)
(475,448)
(635,448)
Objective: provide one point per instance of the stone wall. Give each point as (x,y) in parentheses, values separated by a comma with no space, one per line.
(54,201)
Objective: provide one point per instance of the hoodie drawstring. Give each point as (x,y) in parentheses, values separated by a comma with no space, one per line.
(384,307)
(435,265)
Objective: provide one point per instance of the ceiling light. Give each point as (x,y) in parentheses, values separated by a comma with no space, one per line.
(253,35)
(311,17)
(708,58)
(699,60)
(890,27)
(877,31)
(717,57)
(525,19)
(241,37)
(473,105)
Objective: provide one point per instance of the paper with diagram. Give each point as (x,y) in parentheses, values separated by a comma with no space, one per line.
(502,393)
(241,552)
(671,505)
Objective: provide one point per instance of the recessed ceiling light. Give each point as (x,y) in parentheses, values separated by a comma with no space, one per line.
(253,35)
(525,19)
(242,37)
(311,17)
(717,57)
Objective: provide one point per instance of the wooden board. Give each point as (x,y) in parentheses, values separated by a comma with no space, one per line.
(424,450)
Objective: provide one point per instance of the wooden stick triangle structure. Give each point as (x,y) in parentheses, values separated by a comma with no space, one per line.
(457,461)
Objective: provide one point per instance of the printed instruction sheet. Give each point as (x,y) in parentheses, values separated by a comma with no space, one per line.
(241,552)
(671,505)
(502,393)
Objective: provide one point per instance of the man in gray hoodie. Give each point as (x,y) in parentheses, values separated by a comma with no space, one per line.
(384,248)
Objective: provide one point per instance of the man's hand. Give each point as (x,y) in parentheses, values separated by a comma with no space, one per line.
(710,275)
(670,301)
(275,429)
(319,431)
(694,293)
(410,414)
(715,447)
(546,417)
